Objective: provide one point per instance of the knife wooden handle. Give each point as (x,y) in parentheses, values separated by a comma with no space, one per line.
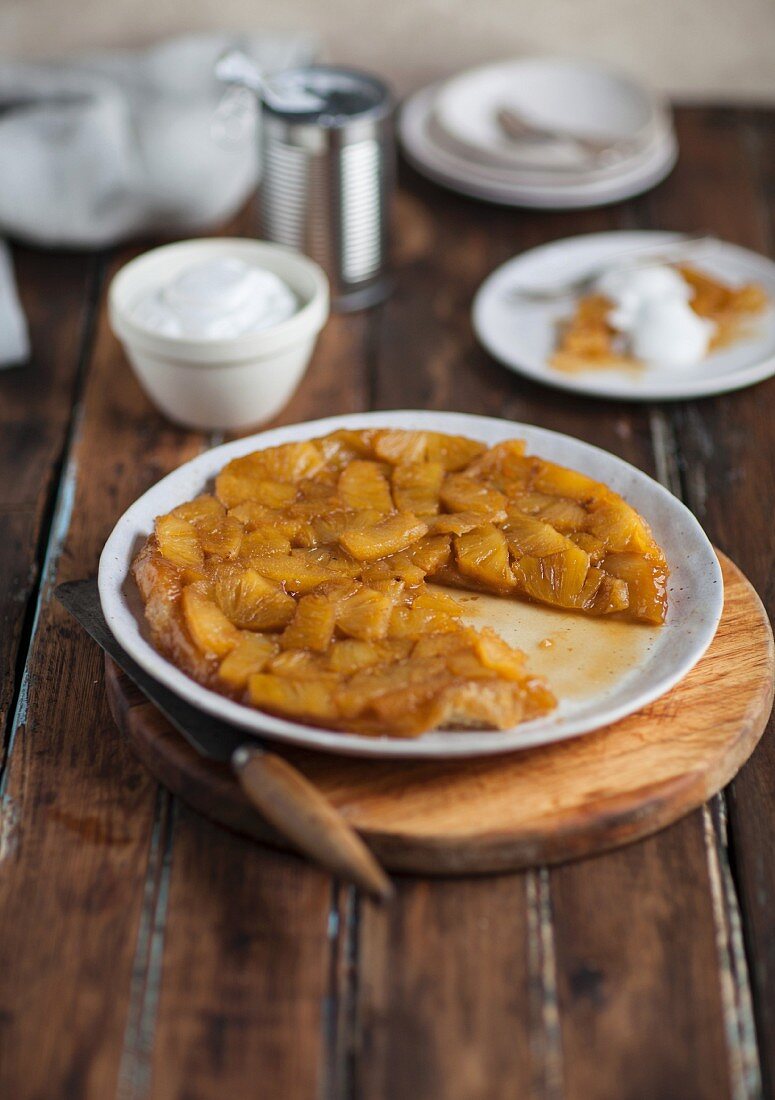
(303,815)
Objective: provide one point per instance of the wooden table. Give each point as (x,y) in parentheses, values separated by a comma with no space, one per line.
(145,952)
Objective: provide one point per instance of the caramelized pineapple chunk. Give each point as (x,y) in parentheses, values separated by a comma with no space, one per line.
(396,446)
(250,600)
(364,613)
(460,523)
(526,535)
(211,631)
(299,572)
(178,542)
(364,485)
(387,536)
(483,556)
(416,487)
(311,699)
(312,626)
(250,655)
(460,493)
(220,535)
(646,582)
(453,452)
(557,578)
(205,507)
(262,541)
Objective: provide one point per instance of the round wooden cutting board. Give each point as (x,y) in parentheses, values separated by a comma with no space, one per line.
(545,805)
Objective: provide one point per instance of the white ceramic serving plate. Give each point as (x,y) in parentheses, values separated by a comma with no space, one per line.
(509,188)
(653,660)
(562,94)
(522,334)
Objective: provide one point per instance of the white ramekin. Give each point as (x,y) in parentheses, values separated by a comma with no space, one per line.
(220,384)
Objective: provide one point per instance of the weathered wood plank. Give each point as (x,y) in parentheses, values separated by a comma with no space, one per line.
(72,884)
(448,1001)
(727,458)
(245,970)
(36,406)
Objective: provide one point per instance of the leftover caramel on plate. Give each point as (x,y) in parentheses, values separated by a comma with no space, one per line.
(300,584)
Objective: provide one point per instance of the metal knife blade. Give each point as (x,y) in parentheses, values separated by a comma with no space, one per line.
(206,734)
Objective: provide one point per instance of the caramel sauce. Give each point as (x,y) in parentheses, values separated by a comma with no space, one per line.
(578,655)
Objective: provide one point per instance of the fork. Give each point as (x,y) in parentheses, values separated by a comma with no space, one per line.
(582,283)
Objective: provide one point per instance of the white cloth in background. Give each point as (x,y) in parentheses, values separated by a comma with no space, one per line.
(113,145)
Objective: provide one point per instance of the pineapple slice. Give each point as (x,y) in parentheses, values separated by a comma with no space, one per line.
(364,613)
(460,523)
(646,582)
(389,535)
(310,699)
(178,542)
(431,554)
(263,541)
(564,514)
(562,482)
(397,568)
(434,599)
(245,478)
(483,556)
(299,572)
(505,463)
(498,656)
(527,535)
(363,485)
(619,526)
(212,633)
(460,493)
(352,654)
(251,654)
(453,452)
(415,621)
(205,507)
(396,446)
(312,627)
(220,535)
(299,664)
(251,601)
(416,487)
(556,579)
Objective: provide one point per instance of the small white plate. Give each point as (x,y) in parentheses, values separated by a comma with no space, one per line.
(562,191)
(556,93)
(652,660)
(522,334)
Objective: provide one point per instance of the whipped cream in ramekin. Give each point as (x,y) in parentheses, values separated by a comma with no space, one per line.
(651,307)
(216,299)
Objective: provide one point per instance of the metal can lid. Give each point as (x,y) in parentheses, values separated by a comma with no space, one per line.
(329,96)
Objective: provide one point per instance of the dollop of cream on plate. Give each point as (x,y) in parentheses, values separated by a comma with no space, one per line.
(651,308)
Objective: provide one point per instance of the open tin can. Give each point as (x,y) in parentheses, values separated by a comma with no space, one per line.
(327,156)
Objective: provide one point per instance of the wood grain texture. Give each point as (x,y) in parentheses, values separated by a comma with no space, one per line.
(726,464)
(36,408)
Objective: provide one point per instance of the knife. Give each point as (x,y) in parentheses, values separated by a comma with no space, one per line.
(281,794)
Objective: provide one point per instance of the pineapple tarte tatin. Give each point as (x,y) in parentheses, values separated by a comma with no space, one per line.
(299,586)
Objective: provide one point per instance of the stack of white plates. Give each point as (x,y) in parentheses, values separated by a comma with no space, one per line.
(451,133)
